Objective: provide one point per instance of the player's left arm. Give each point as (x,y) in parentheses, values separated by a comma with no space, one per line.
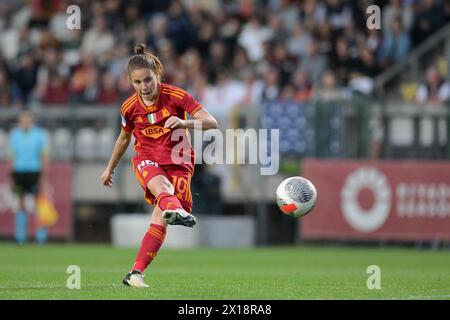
(202,120)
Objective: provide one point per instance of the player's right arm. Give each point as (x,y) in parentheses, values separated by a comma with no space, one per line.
(122,143)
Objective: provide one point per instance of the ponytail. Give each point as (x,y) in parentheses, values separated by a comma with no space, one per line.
(144,59)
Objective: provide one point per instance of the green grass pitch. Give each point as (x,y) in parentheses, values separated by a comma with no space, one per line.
(303,272)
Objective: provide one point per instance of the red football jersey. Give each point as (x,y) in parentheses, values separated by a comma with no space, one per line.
(153,141)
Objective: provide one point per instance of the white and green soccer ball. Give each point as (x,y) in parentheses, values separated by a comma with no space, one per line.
(296,196)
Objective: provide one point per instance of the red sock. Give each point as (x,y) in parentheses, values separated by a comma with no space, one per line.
(168,201)
(150,245)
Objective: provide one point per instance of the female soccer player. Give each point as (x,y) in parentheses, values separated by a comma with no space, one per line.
(164,170)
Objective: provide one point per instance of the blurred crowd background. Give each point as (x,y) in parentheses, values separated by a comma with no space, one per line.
(226,53)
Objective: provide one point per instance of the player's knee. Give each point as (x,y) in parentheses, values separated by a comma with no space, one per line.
(160,184)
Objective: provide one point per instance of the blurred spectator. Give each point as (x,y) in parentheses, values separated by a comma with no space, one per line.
(217,59)
(303,86)
(83,82)
(396,44)
(289,14)
(328,88)
(205,35)
(429,18)
(252,87)
(97,39)
(131,14)
(435,90)
(342,63)
(108,93)
(325,38)
(124,86)
(284,63)
(367,64)
(312,12)
(360,83)
(179,27)
(158,31)
(395,9)
(180,78)
(314,63)
(271,88)
(446,10)
(374,41)
(338,13)
(252,38)
(56,90)
(41,11)
(8,93)
(52,66)
(119,61)
(240,61)
(275,28)
(57,23)
(287,93)
(192,64)
(224,95)
(354,39)
(113,15)
(298,42)
(26,76)
(229,33)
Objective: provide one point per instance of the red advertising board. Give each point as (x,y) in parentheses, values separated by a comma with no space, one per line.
(378,200)
(60,192)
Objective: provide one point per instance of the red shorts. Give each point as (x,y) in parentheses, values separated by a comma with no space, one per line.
(179,176)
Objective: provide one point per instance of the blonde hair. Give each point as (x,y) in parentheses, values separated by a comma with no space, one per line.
(144,59)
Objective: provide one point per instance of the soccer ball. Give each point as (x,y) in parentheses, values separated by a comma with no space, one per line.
(296,196)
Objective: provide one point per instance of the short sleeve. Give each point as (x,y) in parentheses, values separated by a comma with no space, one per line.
(190,105)
(126,122)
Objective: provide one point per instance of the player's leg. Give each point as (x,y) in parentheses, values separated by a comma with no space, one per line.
(21,221)
(41,231)
(160,193)
(147,171)
(173,212)
(150,245)
(181,179)
(161,189)
(21,218)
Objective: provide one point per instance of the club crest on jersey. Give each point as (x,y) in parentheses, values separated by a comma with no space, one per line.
(165,113)
(154,131)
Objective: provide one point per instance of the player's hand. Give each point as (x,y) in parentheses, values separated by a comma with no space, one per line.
(175,123)
(106,178)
